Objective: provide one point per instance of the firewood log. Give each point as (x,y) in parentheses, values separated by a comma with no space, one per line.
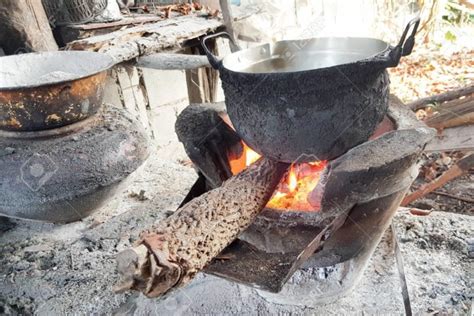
(171,252)
(442,97)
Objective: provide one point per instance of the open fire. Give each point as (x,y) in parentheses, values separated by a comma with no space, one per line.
(294,188)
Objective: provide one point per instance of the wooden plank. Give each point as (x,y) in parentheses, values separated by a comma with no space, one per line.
(133,98)
(141,98)
(126,21)
(168,35)
(70,33)
(201,82)
(198,88)
(24,27)
(453,113)
(457,138)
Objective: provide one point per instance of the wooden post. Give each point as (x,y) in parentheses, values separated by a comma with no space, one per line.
(24,27)
(229,23)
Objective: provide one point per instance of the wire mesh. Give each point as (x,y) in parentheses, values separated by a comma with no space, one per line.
(61,12)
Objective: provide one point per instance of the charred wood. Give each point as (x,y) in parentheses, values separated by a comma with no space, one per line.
(207,140)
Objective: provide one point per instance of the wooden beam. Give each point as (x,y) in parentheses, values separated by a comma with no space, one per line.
(24,27)
(168,35)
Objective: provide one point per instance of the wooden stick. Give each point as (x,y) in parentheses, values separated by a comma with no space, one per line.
(415,211)
(171,253)
(165,61)
(442,97)
(229,23)
(459,169)
(461,198)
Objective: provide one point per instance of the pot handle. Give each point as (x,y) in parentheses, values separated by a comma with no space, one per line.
(213,60)
(405,46)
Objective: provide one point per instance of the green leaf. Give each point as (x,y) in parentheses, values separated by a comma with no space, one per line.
(450,36)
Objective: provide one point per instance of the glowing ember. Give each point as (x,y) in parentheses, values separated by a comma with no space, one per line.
(293,190)
(247,158)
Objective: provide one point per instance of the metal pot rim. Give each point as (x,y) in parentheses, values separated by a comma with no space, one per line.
(236,61)
(85,64)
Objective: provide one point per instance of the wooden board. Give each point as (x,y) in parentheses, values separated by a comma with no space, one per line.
(71,33)
(167,35)
(456,138)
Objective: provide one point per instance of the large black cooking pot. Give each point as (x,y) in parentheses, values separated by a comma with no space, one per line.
(313,99)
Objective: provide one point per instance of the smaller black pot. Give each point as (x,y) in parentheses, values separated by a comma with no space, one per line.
(306,100)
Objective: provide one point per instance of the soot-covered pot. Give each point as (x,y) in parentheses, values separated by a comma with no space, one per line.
(306,100)
(64,174)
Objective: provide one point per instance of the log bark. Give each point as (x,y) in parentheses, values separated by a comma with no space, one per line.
(460,168)
(24,27)
(171,253)
(442,97)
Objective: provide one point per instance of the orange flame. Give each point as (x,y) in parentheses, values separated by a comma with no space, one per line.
(293,190)
(247,158)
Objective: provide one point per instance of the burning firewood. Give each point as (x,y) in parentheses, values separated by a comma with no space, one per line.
(170,253)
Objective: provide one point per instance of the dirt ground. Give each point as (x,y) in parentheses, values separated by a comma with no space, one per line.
(456,196)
